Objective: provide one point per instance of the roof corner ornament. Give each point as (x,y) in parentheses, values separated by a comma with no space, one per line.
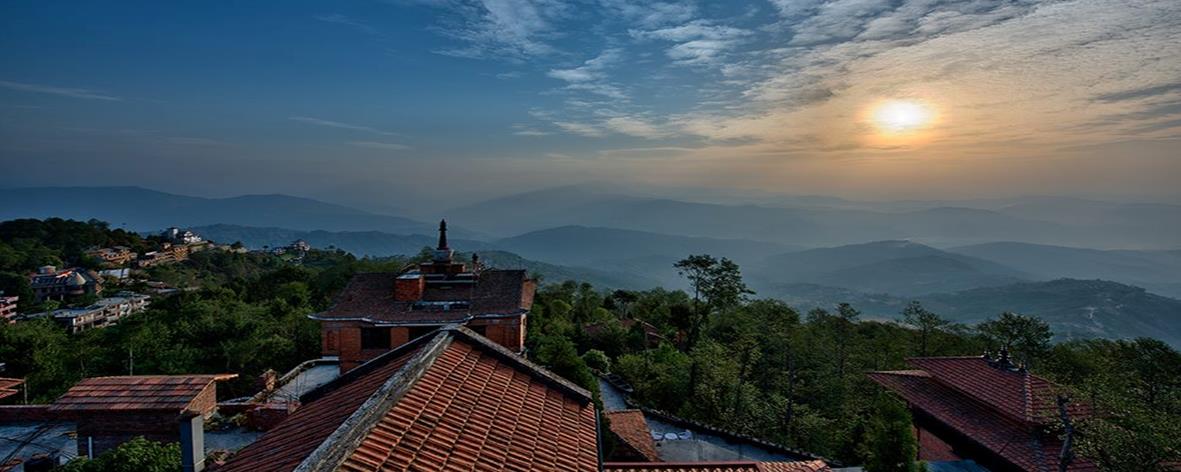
(443,235)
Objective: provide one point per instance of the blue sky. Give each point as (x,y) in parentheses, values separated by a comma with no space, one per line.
(363,100)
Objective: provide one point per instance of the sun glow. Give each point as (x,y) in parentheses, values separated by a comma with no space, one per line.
(901,116)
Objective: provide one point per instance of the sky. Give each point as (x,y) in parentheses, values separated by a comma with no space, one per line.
(400,102)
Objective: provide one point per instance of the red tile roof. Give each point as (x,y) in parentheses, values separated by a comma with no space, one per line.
(632,429)
(370,296)
(740,466)
(139,392)
(285,447)
(998,415)
(1016,393)
(8,387)
(452,401)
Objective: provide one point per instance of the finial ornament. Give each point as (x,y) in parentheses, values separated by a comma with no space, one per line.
(443,235)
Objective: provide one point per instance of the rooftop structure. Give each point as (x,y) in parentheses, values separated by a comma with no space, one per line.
(117,255)
(8,307)
(730,466)
(984,409)
(52,284)
(111,410)
(635,439)
(379,311)
(452,400)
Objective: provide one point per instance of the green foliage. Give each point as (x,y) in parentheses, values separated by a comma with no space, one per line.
(925,322)
(136,455)
(1027,338)
(890,445)
(597,360)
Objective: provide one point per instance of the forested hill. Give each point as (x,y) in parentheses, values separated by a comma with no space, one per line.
(1074,308)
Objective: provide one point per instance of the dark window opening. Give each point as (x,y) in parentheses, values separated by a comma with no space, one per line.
(420,331)
(375,338)
(479,329)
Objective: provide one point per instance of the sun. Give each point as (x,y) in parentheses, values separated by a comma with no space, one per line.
(901,116)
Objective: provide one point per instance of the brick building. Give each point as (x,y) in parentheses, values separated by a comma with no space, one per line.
(985,409)
(377,312)
(109,411)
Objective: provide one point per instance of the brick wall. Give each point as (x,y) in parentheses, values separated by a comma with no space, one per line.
(409,289)
(932,447)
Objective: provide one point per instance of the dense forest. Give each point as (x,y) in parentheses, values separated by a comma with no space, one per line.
(723,357)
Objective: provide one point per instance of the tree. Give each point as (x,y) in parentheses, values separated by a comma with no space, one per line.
(890,444)
(1026,337)
(926,322)
(136,455)
(717,284)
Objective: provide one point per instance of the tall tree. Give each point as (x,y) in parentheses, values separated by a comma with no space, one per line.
(925,321)
(1027,337)
(890,444)
(717,285)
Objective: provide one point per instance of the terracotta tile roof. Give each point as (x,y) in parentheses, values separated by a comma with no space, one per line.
(285,446)
(1015,393)
(139,392)
(8,387)
(632,429)
(371,296)
(1018,442)
(740,466)
(454,401)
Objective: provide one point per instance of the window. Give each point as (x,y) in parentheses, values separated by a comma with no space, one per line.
(375,338)
(420,331)
(479,329)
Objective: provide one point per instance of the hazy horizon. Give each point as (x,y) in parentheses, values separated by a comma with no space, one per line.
(437,103)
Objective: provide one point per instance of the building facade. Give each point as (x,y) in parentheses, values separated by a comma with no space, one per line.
(101,314)
(8,308)
(116,256)
(52,284)
(378,312)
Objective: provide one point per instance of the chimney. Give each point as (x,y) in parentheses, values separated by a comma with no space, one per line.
(192,442)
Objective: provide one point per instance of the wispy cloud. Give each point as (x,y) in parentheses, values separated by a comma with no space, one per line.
(340,125)
(700,42)
(380,145)
(526,130)
(500,29)
(61,91)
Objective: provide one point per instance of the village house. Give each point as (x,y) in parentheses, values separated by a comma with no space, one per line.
(377,312)
(988,410)
(115,256)
(51,284)
(102,313)
(8,307)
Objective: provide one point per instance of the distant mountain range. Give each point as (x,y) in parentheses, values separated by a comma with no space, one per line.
(358,243)
(1157,271)
(944,253)
(1073,308)
(825,224)
(140,209)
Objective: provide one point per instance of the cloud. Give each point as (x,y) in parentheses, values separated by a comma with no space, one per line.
(591,76)
(583,129)
(379,145)
(340,125)
(62,91)
(635,127)
(651,14)
(500,29)
(525,130)
(699,42)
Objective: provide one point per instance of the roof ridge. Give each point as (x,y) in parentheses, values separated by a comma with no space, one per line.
(504,354)
(368,366)
(334,449)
